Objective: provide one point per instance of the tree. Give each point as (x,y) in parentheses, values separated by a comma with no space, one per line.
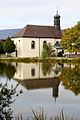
(6,95)
(9,45)
(47,51)
(1,47)
(71,39)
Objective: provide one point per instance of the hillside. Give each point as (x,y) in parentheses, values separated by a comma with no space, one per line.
(7,33)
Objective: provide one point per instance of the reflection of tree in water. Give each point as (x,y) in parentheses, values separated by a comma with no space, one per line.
(2,69)
(46,68)
(71,79)
(7,69)
(6,92)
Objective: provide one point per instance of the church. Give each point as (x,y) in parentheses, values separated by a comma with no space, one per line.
(30,40)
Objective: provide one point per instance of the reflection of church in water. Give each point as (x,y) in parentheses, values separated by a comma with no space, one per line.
(32,76)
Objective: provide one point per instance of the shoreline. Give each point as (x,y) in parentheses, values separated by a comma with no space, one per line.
(35,60)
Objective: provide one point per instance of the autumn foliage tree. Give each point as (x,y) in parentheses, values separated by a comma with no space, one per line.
(71,39)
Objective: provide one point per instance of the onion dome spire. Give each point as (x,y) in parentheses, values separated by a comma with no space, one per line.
(57,20)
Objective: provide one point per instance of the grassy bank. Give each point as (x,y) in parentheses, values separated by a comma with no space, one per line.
(34,60)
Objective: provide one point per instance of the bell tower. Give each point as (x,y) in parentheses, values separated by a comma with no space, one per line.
(57,21)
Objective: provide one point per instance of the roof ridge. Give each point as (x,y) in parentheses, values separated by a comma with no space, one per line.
(40,25)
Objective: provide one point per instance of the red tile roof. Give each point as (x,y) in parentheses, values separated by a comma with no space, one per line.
(37,31)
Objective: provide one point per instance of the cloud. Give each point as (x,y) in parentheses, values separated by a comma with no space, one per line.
(38,11)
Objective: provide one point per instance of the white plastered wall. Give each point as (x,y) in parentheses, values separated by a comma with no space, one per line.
(23,46)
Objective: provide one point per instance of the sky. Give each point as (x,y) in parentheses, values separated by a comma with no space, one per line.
(18,13)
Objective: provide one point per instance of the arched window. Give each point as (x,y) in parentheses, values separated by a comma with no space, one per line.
(57,43)
(33,45)
(44,44)
(33,72)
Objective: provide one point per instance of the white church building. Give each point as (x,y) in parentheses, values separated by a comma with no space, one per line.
(30,40)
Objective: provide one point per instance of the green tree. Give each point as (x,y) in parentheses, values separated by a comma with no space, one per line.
(9,45)
(44,54)
(71,39)
(47,51)
(1,48)
(6,94)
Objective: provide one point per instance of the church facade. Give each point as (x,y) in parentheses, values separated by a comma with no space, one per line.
(30,40)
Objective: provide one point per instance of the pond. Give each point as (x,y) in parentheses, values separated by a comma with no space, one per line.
(51,87)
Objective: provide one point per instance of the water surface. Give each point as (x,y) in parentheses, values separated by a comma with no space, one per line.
(52,88)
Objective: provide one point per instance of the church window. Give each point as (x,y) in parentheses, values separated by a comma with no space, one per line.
(44,44)
(33,44)
(33,72)
(57,43)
